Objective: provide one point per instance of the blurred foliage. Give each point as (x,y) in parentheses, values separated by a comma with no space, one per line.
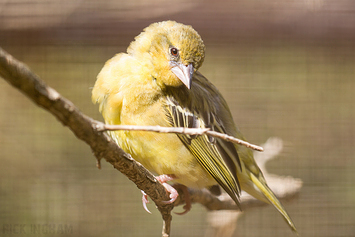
(286,69)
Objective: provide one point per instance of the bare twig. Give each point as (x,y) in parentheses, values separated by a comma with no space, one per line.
(234,140)
(159,129)
(180,130)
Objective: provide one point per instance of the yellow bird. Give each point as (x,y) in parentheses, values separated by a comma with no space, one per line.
(157,82)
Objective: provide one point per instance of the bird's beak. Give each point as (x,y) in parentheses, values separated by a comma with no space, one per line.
(184,73)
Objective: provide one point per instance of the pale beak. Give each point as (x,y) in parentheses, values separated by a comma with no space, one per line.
(184,73)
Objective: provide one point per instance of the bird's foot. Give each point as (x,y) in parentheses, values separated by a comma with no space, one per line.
(173,193)
(187,206)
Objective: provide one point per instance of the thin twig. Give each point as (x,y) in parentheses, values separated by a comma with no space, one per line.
(180,130)
(159,129)
(234,140)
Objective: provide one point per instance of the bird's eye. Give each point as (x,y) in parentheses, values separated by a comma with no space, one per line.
(174,52)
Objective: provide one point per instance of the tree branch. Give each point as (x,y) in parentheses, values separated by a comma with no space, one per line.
(85,128)
(103,147)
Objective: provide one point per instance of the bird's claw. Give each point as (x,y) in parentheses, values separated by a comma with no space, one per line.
(187,206)
(145,201)
(173,193)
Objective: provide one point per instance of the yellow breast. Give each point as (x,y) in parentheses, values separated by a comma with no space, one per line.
(128,95)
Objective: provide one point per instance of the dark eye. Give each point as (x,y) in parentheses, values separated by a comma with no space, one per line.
(174,52)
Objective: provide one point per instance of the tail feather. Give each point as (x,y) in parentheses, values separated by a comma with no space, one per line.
(273,200)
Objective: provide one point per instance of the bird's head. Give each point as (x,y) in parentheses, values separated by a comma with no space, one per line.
(174,50)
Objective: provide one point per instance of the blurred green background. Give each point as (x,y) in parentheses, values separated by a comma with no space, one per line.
(285,67)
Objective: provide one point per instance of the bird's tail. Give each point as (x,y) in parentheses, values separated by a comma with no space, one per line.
(270,196)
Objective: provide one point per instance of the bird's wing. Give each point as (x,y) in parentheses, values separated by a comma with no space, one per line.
(213,154)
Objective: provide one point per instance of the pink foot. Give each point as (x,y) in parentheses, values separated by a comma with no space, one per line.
(173,193)
(162,179)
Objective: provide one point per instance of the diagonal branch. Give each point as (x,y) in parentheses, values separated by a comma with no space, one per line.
(85,128)
(92,132)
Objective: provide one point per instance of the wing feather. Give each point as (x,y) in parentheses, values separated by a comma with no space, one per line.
(213,154)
